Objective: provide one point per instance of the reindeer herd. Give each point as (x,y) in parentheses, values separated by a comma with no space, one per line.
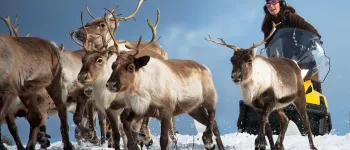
(124,83)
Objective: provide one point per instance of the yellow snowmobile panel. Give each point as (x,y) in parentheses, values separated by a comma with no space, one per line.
(313,97)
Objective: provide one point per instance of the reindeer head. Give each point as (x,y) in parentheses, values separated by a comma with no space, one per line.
(94,34)
(242,59)
(97,62)
(127,65)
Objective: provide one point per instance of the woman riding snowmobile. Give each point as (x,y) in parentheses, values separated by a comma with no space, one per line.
(278,11)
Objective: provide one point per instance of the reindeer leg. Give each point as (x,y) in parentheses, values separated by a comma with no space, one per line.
(268,131)
(10,120)
(82,101)
(269,135)
(115,131)
(59,93)
(109,134)
(132,144)
(43,137)
(211,125)
(217,136)
(202,117)
(7,96)
(2,146)
(300,104)
(164,133)
(146,133)
(260,141)
(44,101)
(121,127)
(92,123)
(34,117)
(173,131)
(284,125)
(102,123)
(267,101)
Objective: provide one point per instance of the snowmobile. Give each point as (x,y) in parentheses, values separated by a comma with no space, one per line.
(305,48)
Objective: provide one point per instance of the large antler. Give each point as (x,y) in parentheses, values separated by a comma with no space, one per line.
(8,23)
(235,48)
(14,31)
(88,10)
(268,37)
(133,14)
(115,28)
(71,33)
(154,31)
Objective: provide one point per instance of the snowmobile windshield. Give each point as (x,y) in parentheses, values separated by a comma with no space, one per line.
(302,46)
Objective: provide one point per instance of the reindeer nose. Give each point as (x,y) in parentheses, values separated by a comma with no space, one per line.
(79,35)
(112,86)
(236,77)
(88,91)
(82,77)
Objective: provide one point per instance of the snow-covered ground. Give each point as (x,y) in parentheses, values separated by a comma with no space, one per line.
(239,141)
(235,141)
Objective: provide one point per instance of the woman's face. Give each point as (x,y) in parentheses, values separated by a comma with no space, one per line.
(273,6)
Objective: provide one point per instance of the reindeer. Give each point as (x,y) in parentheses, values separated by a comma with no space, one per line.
(161,88)
(30,65)
(45,103)
(71,67)
(269,84)
(98,61)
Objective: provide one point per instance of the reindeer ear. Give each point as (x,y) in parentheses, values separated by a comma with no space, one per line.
(254,51)
(142,61)
(110,51)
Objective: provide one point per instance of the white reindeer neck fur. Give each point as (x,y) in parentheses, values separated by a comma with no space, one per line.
(102,96)
(263,77)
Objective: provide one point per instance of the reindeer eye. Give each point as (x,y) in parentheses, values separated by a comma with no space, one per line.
(99,60)
(130,68)
(249,61)
(102,25)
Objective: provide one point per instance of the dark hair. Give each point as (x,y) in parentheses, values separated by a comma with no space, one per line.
(283,5)
(266,26)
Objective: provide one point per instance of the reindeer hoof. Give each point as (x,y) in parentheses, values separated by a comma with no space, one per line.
(260,143)
(110,146)
(68,146)
(279,146)
(134,146)
(95,140)
(260,148)
(43,140)
(212,148)
(2,147)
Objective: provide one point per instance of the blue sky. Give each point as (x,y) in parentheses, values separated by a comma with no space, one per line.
(183,26)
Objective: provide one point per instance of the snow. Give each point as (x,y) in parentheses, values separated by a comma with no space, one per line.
(233,141)
(236,141)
